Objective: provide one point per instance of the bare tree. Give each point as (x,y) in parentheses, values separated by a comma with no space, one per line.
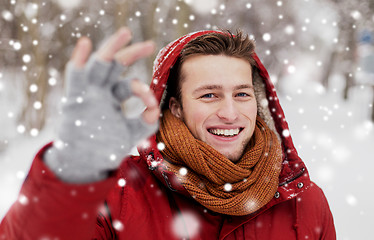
(47,34)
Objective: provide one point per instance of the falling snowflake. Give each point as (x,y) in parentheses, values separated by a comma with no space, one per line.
(291,69)
(289,30)
(21,128)
(266,37)
(264,102)
(351,200)
(26,58)
(20,174)
(17,46)
(33,88)
(113,157)
(34,132)
(185,225)
(22,199)
(59,144)
(121,182)
(325,174)
(286,133)
(183,171)
(144,144)
(356,15)
(52,81)
(8,16)
(78,123)
(37,105)
(161,146)
(79,99)
(118,225)
(227,187)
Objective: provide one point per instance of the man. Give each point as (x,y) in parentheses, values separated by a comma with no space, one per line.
(221,166)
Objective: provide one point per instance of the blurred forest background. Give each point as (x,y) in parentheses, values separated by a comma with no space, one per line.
(37,38)
(309,40)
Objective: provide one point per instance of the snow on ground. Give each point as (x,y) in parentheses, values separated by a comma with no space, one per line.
(15,163)
(334,138)
(336,141)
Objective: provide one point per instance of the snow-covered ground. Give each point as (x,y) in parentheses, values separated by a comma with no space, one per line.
(336,141)
(334,137)
(15,163)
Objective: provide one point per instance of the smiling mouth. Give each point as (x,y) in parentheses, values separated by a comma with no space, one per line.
(225,132)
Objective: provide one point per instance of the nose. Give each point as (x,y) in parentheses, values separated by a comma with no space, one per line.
(227,110)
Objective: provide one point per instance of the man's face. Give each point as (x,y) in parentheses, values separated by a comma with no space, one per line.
(218,102)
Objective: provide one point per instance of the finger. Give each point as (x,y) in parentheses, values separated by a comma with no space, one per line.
(151,115)
(81,52)
(129,55)
(152,111)
(114,44)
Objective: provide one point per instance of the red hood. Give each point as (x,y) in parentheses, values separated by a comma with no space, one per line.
(293,177)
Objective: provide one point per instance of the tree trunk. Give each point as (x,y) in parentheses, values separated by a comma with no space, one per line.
(329,68)
(350,58)
(349,82)
(36,74)
(372,107)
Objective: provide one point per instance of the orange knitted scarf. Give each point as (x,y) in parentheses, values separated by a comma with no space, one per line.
(212,179)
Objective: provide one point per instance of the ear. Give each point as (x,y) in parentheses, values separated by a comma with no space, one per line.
(175,107)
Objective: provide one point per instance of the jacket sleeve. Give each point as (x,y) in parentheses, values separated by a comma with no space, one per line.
(50,209)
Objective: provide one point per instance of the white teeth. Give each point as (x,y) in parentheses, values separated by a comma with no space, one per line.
(225,132)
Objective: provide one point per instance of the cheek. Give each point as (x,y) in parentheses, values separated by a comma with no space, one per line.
(253,110)
(250,110)
(195,117)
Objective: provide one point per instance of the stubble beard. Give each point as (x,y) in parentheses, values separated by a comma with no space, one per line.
(237,155)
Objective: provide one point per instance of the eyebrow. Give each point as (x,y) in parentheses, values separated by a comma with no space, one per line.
(243,86)
(219,87)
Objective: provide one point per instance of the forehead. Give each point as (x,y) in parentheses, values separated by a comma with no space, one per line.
(219,70)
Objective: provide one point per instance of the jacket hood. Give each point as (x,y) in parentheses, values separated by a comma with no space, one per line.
(294,176)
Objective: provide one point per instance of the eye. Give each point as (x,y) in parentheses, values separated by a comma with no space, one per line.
(242,94)
(208,95)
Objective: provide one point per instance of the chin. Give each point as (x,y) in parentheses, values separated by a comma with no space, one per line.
(232,157)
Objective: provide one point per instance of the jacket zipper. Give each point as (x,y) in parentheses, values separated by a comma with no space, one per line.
(293,178)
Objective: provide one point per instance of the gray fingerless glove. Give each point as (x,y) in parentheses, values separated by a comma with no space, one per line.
(94,135)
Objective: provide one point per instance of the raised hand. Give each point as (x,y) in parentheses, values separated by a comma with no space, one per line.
(94,135)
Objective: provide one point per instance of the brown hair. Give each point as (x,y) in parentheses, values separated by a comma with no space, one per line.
(225,43)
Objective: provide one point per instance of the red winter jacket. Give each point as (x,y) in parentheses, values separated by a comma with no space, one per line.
(144,201)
